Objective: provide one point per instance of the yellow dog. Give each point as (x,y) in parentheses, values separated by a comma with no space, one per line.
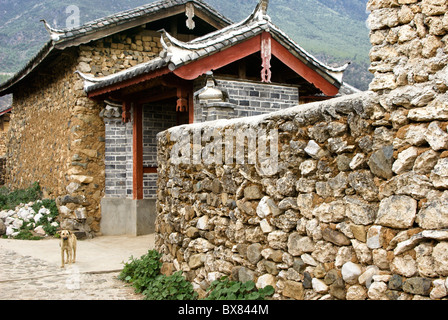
(68,245)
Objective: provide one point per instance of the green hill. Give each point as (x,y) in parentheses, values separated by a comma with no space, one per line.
(332,30)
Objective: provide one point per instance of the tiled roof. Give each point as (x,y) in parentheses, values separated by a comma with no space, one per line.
(129,15)
(61,38)
(177,53)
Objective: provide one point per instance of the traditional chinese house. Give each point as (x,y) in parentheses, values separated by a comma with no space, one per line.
(139,73)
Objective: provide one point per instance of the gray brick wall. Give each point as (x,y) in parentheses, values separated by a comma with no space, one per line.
(251,98)
(117,157)
(156,118)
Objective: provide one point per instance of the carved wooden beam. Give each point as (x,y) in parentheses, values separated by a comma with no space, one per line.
(266,55)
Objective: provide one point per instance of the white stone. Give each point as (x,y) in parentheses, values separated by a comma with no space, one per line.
(307,167)
(9,231)
(308,259)
(64,211)
(344,255)
(351,272)
(9,221)
(439,291)
(431,112)
(314,150)
(202,223)
(72,187)
(377,291)
(436,137)
(23,213)
(439,175)
(330,212)
(44,211)
(40,231)
(37,217)
(213,276)
(397,212)
(405,160)
(440,255)
(265,226)
(200,245)
(363,253)
(367,277)
(319,286)
(18,223)
(426,162)
(265,207)
(358,160)
(404,265)
(374,237)
(265,280)
(356,292)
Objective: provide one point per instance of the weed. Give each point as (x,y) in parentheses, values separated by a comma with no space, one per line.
(224,289)
(144,275)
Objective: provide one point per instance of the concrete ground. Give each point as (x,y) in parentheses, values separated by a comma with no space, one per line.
(31,270)
(101,254)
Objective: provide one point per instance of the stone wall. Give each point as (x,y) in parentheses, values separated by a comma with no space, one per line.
(57,135)
(356,207)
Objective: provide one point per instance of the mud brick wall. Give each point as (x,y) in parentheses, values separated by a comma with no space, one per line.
(358,206)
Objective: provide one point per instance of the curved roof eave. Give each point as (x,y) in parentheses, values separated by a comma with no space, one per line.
(60,38)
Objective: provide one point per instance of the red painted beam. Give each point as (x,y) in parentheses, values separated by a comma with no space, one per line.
(220,59)
(137,150)
(128,83)
(302,69)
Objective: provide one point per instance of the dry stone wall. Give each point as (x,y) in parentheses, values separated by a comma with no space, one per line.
(356,207)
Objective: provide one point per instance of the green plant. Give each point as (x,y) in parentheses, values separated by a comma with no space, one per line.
(174,287)
(141,272)
(50,213)
(11,199)
(25,234)
(224,289)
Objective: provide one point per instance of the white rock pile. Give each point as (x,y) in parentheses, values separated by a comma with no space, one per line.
(25,217)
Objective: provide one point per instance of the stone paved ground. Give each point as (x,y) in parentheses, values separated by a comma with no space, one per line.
(27,278)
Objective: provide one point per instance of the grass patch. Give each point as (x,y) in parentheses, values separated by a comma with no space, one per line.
(144,275)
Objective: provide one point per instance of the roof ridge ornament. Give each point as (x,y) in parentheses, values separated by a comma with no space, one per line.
(189,12)
(55,34)
(261,11)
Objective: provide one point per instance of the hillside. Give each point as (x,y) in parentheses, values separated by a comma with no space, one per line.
(332,30)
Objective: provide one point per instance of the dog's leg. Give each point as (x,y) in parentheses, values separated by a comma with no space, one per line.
(62,257)
(74,252)
(69,255)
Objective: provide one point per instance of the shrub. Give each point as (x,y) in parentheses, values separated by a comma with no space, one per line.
(174,287)
(224,289)
(50,212)
(11,199)
(144,275)
(140,272)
